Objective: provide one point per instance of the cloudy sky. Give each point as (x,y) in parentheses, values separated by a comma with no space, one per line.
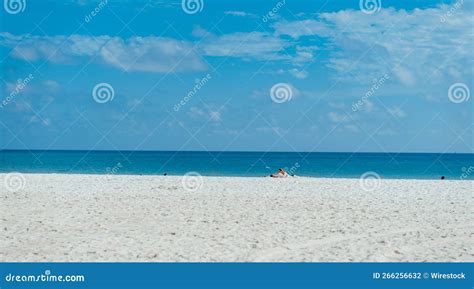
(352,76)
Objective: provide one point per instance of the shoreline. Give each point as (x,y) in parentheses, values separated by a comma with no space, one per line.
(230,176)
(131,218)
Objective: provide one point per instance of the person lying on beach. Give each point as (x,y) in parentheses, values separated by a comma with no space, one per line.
(281,174)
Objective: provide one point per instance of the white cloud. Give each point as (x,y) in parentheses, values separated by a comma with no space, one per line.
(200,32)
(252,45)
(337,117)
(352,127)
(414,46)
(152,54)
(196,112)
(215,115)
(297,29)
(369,106)
(404,75)
(207,113)
(238,13)
(337,105)
(301,74)
(149,54)
(397,112)
(80,2)
(386,132)
(304,54)
(51,85)
(43,121)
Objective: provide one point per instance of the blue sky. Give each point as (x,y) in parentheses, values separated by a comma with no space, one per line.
(350,78)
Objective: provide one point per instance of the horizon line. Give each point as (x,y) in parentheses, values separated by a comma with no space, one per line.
(212,151)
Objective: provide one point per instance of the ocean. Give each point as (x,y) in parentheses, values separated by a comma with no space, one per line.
(334,165)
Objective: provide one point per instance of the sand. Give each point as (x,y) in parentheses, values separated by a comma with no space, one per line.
(55,217)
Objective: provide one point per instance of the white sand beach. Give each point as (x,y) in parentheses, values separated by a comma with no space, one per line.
(56,217)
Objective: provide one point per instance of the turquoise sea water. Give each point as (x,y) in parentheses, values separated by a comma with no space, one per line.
(413,165)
